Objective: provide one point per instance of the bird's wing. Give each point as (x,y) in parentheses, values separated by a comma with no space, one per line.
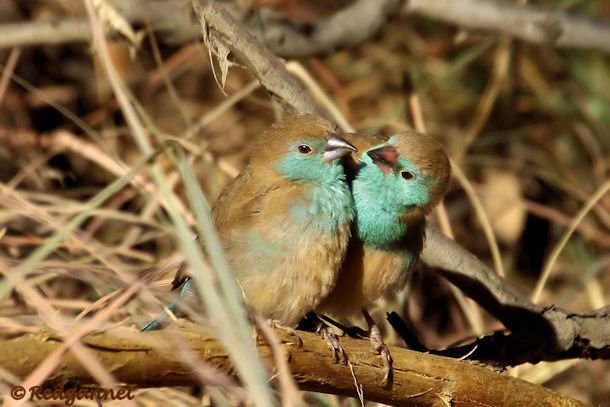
(242,205)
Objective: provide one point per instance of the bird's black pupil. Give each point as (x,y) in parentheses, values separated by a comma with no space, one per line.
(407,175)
(304,149)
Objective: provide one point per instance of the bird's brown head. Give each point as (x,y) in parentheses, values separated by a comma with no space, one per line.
(301,148)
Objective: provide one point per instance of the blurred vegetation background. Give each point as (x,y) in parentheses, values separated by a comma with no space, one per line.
(528,124)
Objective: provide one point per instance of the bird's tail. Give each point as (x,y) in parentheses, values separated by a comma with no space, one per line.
(163,318)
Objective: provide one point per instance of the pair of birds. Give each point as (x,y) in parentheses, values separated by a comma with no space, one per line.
(319,222)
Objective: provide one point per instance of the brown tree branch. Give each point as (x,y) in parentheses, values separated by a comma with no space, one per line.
(558,333)
(509,349)
(153,359)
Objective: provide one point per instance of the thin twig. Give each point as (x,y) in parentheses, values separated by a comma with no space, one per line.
(310,83)
(564,239)
(482,216)
(488,98)
(7,72)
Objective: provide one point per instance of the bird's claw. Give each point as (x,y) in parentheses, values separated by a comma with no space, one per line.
(388,372)
(380,348)
(287,329)
(333,344)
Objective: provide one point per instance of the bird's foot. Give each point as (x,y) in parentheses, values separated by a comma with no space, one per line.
(287,329)
(333,343)
(380,348)
(323,326)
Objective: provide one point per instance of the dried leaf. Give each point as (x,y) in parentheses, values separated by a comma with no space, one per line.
(218,49)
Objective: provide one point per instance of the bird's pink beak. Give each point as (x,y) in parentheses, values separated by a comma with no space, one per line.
(385,157)
(336,147)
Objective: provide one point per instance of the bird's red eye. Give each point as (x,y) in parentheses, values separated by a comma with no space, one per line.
(304,149)
(407,175)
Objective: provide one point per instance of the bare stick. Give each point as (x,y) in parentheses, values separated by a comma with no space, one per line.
(529,23)
(44,33)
